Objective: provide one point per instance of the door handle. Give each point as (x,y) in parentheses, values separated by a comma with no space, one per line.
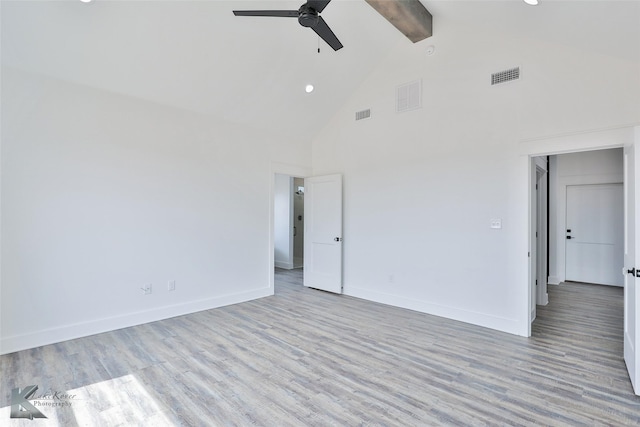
(337,239)
(632,271)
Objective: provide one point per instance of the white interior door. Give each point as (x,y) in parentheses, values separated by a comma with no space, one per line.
(595,234)
(323,233)
(631,296)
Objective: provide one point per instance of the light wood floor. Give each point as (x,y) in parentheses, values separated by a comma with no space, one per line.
(309,358)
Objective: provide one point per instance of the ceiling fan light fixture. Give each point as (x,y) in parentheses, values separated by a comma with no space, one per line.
(531,2)
(309,88)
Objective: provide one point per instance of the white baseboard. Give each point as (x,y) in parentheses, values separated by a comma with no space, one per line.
(554,280)
(14,343)
(503,324)
(545,299)
(285,265)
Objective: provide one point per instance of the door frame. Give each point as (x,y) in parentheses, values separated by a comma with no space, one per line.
(527,149)
(280,169)
(542,217)
(538,223)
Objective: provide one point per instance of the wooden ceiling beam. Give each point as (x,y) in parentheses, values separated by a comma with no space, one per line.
(409,16)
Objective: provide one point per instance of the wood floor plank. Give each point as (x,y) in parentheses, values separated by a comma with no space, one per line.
(309,358)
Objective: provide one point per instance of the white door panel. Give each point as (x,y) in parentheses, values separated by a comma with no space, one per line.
(323,233)
(595,234)
(592,263)
(631,252)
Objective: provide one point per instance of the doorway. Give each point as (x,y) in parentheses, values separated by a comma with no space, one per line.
(288,214)
(582,184)
(554,147)
(571,191)
(278,171)
(321,251)
(627,137)
(585,200)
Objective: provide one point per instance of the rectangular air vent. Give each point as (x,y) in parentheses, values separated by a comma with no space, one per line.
(409,96)
(364,114)
(505,76)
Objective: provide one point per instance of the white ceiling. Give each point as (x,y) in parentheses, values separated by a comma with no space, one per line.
(196,55)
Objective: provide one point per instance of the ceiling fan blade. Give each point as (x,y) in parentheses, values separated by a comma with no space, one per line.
(318,5)
(325,33)
(277,13)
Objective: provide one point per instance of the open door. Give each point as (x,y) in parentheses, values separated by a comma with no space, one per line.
(323,233)
(631,265)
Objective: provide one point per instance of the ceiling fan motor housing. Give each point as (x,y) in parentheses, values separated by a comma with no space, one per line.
(308,16)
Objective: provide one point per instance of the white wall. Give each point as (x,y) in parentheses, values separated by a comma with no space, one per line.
(102,194)
(421,187)
(589,167)
(283,215)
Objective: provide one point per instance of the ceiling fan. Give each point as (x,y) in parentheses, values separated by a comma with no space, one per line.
(308,16)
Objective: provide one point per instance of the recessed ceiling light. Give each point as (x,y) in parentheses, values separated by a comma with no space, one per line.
(85,1)
(531,2)
(308,88)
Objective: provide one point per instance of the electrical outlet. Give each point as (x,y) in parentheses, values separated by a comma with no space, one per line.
(146,289)
(171,286)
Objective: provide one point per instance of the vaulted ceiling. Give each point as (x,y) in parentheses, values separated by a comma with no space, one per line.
(197,56)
